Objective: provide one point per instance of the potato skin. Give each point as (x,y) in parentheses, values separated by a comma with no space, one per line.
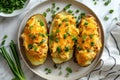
(35,40)
(63,28)
(89,41)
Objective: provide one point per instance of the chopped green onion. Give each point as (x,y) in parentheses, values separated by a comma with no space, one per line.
(92,43)
(66,49)
(84,37)
(57,8)
(56,39)
(86,23)
(70,11)
(106,18)
(67,7)
(107,2)
(30,46)
(44,14)
(13,62)
(77,11)
(41,23)
(48,10)
(58,49)
(65,36)
(79,48)
(68,69)
(111,11)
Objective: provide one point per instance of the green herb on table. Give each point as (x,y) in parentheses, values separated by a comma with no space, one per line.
(8,6)
(68,69)
(48,71)
(107,2)
(13,62)
(77,11)
(111,11)
(4,40)
(106,18)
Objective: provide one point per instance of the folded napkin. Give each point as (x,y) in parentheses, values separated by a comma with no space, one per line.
(109,67)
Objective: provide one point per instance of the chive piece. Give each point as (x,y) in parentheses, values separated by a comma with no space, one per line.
(84,37)
(95,3)
(30,35)
(42,41)
(53,15)
(106,18)
(58,49)
(31,27)
(74,39)
(107,2)
(53,11)
(68,69)
(91,35)
(57,31)
(92,43)
(45,69)
(78,48)
(67,74)
(86,23)
(3,42)
(33,37)
(66,49)
(77,11)
(70,11)
(35,47)
(56,39)
(65,20)
(65,36)
(67,7)
(5,36)
(48,10)
(66,24)
(57,8)
(41,23)
(82,15)
(44,14)
(53,5)
(30,46)
(41,34)
(111,11)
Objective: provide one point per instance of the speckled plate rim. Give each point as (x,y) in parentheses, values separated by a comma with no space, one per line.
(95,62)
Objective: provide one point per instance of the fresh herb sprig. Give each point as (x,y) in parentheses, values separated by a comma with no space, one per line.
(13,61)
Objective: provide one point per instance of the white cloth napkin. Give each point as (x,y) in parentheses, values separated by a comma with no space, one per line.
(109,68)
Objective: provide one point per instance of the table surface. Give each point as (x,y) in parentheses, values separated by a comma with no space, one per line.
(9,26)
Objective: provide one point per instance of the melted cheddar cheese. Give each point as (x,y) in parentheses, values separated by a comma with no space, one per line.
(89,41)
(35,40)
(63,34)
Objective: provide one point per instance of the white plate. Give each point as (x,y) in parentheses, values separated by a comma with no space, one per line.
(77,71)
(16,12)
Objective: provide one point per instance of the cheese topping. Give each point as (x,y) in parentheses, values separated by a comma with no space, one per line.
(62,36)
(35,39)
(89,41)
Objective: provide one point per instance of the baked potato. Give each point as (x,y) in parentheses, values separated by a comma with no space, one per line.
(35,39)
(63,34)
(88,42)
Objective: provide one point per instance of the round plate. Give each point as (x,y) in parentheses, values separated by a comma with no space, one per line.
(77,71)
